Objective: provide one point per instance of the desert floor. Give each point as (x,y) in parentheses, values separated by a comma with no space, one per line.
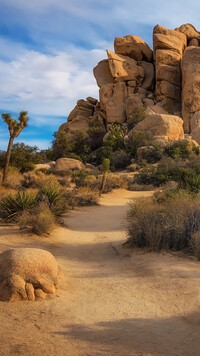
(114,301)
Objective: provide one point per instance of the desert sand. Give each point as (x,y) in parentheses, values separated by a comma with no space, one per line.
(113,301)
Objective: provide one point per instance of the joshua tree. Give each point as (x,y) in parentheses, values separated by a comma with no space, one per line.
(15,126)
(106,167)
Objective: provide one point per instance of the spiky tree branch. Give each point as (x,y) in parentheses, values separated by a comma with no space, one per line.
(15,126)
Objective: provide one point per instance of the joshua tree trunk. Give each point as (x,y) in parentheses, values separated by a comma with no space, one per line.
(8,153)
(15,127)
(103,183)
(106,166)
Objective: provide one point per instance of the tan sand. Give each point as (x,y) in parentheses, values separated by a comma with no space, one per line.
(115,301)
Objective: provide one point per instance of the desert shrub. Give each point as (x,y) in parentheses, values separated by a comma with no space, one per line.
(119,159)
(138,139)
(114,181)
(191,182)
(96,132)
(14,177)
(23,157)
(115,137)
(64,181)
(170,225)
(79,177)
(37,179)
(181,149)
(166,170)
(52,195)
(150,154)
(139,187)
(138,115)
(62,145)
(86,196)
(41,221)
(133,167)
(195,244)
(13,205)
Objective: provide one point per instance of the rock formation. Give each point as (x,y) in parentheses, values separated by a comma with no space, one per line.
(27,274)
(165,80)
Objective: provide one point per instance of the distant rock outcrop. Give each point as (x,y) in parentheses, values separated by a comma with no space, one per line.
(165,80)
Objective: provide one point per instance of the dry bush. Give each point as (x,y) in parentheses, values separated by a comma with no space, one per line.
(168,225)
(41,221)
(37,179)
(85,196)
(13,180)
(135,187)
(195,244)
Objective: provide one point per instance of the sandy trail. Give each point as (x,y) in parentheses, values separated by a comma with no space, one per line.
(114,301)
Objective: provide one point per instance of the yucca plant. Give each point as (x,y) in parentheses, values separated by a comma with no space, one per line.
(52,195)
(191,182)
(13,205)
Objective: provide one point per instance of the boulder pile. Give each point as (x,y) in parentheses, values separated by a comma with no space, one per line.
(164,81)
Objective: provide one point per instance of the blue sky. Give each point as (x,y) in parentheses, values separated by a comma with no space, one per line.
(48,50)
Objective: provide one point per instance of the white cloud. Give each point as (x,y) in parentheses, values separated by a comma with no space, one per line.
(48,83)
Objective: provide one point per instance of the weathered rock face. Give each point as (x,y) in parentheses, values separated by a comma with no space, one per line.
(163,81)
(27,273)
(102,73)
(134,47)
(189,30)
(65,164)
(112,101)
(169,126)
(168,50)
(124,68)
(190,85)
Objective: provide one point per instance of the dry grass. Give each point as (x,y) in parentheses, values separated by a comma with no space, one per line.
(171,224)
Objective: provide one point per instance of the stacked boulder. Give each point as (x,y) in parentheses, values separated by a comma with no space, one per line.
(165,82)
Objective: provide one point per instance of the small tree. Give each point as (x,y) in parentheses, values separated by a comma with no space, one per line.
(15,126)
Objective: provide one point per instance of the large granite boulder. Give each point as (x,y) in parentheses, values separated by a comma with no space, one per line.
(170,126)
(65,164)
(102,73)
(124,68)
(28,274)
(189,30)
(134,47)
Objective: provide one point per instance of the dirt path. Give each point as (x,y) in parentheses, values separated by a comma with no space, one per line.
(114,302)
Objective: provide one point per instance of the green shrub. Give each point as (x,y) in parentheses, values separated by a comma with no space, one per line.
(96,132)
(166,170)
(79,177)
(170,225)
(149,154)
(191,182)
(138,139)
(181,149)
(115,137)
(138,115)
(13,205)
(119,160)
